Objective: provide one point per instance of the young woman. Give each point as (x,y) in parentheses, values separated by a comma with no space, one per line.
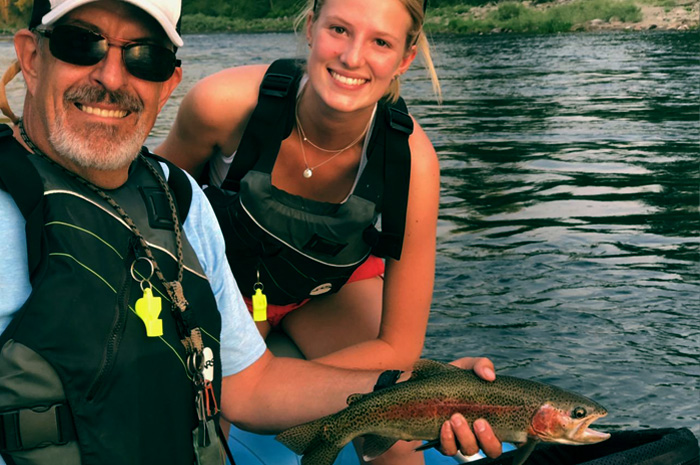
(323,166)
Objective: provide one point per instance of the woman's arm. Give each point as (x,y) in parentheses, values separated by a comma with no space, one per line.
(212,117)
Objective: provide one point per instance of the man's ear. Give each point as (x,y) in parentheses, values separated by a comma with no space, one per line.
(168,87)
(27,49)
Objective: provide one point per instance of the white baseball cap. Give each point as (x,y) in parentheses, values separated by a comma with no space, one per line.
(166,12)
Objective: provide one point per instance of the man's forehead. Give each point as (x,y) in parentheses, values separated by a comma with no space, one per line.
(161,18)
(104,14)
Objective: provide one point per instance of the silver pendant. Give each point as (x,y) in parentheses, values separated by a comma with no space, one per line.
(308,173)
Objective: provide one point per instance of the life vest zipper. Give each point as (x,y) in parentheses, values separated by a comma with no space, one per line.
(118,325)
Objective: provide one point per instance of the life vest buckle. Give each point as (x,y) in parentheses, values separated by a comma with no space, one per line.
(28,428)
(400,120)
(276,85)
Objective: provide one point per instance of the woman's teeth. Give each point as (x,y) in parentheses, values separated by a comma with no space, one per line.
(347,80)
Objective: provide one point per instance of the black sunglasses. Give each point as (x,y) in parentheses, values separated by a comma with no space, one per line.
(83,47)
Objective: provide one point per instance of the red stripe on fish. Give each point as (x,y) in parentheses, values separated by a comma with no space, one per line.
(445,409)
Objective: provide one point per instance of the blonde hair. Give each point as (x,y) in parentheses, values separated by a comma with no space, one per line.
(10,73)
(416,36)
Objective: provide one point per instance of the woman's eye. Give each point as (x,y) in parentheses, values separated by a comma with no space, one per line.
(338,29)
(383,43)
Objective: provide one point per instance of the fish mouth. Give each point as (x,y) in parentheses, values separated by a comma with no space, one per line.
(582,434)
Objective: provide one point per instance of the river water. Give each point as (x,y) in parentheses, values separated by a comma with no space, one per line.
(568,232)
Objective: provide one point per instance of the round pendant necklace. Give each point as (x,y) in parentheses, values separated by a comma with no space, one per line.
(309,170)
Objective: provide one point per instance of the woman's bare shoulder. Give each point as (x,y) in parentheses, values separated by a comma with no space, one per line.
(423,153)
(223,101)
(232,86)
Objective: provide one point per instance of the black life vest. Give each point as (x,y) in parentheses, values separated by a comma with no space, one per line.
(297,247)
(76,346)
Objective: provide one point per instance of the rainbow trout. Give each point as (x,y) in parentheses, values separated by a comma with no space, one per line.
(519,411)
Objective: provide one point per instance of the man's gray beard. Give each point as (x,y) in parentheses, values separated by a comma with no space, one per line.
(97,146)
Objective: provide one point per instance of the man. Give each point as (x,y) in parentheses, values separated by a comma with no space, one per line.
(121,328)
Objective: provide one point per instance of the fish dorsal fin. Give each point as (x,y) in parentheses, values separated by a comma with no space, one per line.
(352,398)
(426,368)
(373,446)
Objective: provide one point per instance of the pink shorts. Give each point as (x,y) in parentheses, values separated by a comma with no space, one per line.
(373,266)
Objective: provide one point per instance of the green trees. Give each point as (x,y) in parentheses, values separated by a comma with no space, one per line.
(14,13)
(514,16)
(440,3)
(246,9)
(444,16)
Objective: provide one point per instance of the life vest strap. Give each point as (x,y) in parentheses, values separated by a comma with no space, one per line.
(397,175)
(276,100)
(20,179)
(179,184)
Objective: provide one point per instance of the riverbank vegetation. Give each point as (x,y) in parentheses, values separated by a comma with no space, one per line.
(517,17)
(444,16)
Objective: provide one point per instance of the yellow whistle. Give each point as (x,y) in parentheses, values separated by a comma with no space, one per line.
(148,309)
(259,305)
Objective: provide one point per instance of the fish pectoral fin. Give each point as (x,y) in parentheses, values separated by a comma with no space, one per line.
(524,451)
(373,446)
(427,445)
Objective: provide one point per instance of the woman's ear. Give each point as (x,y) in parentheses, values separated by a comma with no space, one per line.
(28,55)
(407,59)
(309,27)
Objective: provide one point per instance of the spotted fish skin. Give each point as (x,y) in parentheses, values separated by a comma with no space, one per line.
(519,411)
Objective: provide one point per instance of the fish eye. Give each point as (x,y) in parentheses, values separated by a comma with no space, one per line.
(578,412)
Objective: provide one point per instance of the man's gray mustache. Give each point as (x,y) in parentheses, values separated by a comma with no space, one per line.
(122,99)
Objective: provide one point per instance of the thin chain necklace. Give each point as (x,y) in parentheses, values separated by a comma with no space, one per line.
(309,170)
(193,341)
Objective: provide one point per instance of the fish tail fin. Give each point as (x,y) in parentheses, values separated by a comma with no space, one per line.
(299,438)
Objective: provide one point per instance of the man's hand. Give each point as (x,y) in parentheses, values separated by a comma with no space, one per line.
(482,366)
(456,434)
